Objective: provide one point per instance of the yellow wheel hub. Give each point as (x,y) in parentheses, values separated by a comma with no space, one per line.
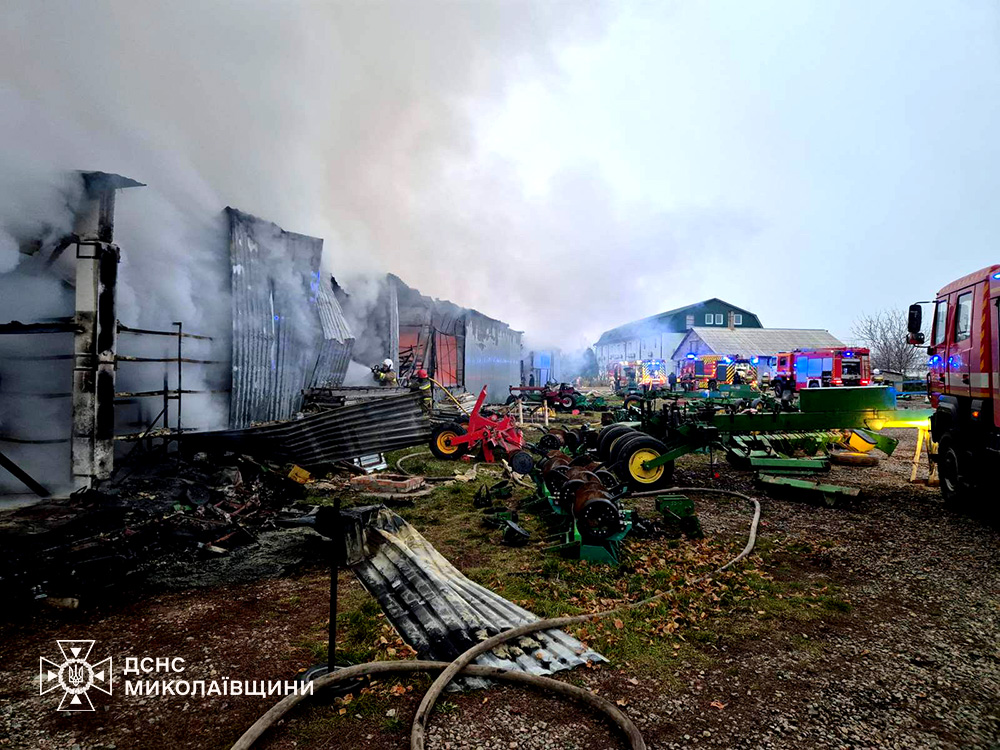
(444,443)
(636,470)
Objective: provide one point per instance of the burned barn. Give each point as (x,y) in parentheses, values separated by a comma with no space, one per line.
(79,384)
(289,332)
(460,348)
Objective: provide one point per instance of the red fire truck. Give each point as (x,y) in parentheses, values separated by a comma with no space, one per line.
(821,368)
(963,380)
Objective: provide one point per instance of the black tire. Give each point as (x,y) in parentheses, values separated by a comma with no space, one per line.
(566,402)
(814,384)
(713,385)
(620,444)
(607,435)
(629,467)
(632,401)
(440,446)
(778,389)
(511,400)
(954,489)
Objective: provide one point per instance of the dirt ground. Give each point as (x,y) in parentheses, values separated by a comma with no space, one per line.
(872,625)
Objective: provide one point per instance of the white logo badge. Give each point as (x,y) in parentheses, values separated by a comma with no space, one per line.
(75,675)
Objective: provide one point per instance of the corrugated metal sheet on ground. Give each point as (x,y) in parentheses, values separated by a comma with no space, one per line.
(438,611)
(348,432)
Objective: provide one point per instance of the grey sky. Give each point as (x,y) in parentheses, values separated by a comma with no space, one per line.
(859,141)
(565,167)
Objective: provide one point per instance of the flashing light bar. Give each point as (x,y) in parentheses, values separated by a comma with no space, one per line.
(996,276)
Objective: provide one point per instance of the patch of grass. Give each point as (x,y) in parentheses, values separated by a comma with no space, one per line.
(393,724)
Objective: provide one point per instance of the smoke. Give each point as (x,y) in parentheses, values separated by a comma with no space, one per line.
(360,123)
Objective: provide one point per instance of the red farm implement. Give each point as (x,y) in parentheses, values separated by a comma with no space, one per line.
(497,438)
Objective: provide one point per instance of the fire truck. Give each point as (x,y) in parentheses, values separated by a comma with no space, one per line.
(632,377)
(701,371)
(963,379)
(821,368)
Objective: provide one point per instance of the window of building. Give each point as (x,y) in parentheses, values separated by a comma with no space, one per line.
(689,322)
(708,319)
(940,322)
(719,319)
(963,317)
(737,319)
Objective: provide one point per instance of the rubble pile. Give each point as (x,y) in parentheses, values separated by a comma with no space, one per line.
(171,513)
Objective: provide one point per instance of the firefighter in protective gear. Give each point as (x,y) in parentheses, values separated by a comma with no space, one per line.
(421,383)
(383,374)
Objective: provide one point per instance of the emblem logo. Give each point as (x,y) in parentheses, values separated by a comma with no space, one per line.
(75,675)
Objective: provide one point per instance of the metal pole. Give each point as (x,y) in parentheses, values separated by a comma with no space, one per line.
(166,412)
(520,412)
(180,373)
(331,648)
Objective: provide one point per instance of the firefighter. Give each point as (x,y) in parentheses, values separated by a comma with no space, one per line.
(421,383)
(383,374)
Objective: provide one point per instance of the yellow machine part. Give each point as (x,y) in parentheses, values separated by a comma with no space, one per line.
(860,443)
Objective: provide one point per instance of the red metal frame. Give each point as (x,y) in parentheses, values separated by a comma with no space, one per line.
(490,432)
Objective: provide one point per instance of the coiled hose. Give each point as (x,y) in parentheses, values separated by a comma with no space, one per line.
(462,665)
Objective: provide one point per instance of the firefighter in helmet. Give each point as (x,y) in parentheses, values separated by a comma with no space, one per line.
(421,383)
(383,374)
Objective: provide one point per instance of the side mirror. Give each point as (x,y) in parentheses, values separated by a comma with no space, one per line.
(915,339)
(914,320)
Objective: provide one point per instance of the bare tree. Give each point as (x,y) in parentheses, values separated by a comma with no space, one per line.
(884,333)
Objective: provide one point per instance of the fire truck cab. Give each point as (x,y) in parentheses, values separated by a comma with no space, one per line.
(821,368)
(962,379)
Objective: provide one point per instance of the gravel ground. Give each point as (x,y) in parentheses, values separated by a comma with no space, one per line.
(912,662)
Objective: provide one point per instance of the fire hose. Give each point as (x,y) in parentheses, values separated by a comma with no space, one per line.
(463,665)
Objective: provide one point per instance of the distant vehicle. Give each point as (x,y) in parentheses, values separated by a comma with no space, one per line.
(962,382)
(709,371)
(821,368)
(641,375)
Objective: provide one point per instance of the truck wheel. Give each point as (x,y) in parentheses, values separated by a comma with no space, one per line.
(953,487)
(566,402)
(814,384)
(713,385)
(777,389)
(441,441)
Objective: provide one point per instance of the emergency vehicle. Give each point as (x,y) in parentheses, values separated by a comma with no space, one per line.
(701,371)
(821,368)
(639,375)
(963,379)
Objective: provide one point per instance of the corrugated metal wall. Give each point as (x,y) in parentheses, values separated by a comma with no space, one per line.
(337,345)
(287,332)
(492,356)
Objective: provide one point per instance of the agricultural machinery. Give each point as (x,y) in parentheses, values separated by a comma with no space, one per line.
(563,397)
(495,436)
